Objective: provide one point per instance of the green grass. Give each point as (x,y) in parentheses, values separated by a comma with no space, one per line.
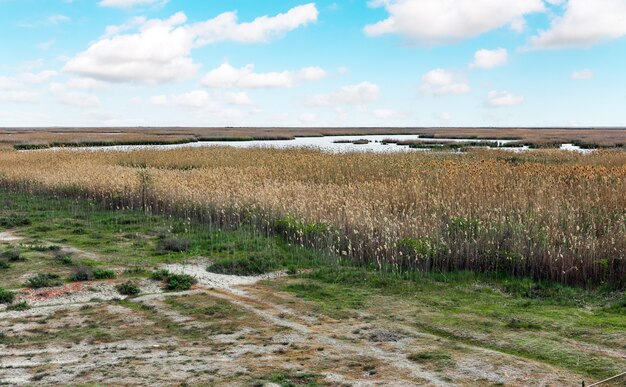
(543,321)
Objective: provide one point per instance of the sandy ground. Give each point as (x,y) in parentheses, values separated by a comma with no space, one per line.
(239,331)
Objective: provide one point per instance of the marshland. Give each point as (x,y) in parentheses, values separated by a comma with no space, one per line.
(300,266)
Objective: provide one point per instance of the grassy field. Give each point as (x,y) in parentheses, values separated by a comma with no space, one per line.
(298,267)
(28,138)
(325,320)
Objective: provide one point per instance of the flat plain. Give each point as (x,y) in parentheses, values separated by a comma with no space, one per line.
(299,267)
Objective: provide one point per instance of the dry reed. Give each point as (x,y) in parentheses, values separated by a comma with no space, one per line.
(547,214)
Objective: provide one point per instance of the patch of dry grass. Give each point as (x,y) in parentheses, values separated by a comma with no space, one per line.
(549,215)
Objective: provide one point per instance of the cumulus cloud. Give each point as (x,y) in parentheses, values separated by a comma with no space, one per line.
(18,96)
(349,95)
(69,96)
(488,59)
(384,114)
(21,80)
(159,50)
(581,75)
(583,24)
(200,99)
(442,82)
(129,3)
(443,21)
(226,76)
(503,99)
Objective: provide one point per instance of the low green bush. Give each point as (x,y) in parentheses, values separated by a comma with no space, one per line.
(103,274)
(173,245)
(253,264)
(128,289)
(63,257)
(82,273)
(6,296)
(44,281)
(179,282)
(14,220)
(20,306)
(12,256)
(174,282)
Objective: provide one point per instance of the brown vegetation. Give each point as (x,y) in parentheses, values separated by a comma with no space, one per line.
(537,137)
(549,214)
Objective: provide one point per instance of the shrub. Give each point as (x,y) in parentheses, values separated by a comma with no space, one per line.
(103,274)
(179,282)
(14,220)
(4,264)
(174,245)
(82,273)
(160,275)
(6,297)
(44,281)
(422,248)
(128,289)
(62,257)
(12,256)
(254,264)
(174,282)
(20,306)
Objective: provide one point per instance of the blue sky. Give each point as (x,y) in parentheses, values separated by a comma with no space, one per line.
(322,63)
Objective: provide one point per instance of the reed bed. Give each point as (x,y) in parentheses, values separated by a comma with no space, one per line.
(551,215)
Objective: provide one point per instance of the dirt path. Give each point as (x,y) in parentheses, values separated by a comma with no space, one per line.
(247,332)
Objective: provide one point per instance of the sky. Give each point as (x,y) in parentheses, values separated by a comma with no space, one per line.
(323,63)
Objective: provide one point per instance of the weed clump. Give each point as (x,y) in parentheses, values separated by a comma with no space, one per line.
(19,307)
(179,282)
(82,274)
(174,282)
(12,256)
(103,274)
(173,245)
(254,264)
(62,257)
(6,296)
(14,220)
(128,289)
(42,280)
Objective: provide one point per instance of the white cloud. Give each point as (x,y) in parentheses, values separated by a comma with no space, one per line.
(583,24)
(129,3)
(200,99)
(227,76)
(442,82)
(351,95)
(238,98)
(444,21)
(72,97)
(21,80)
(312,74)
(581,75)
(488,59)
(18,96)
(160,50)
(46,45)
(307,118)
(58,19)
(503,99)
(225,27)
(384,114)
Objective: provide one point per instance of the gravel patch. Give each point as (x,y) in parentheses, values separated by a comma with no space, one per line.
(79,292)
